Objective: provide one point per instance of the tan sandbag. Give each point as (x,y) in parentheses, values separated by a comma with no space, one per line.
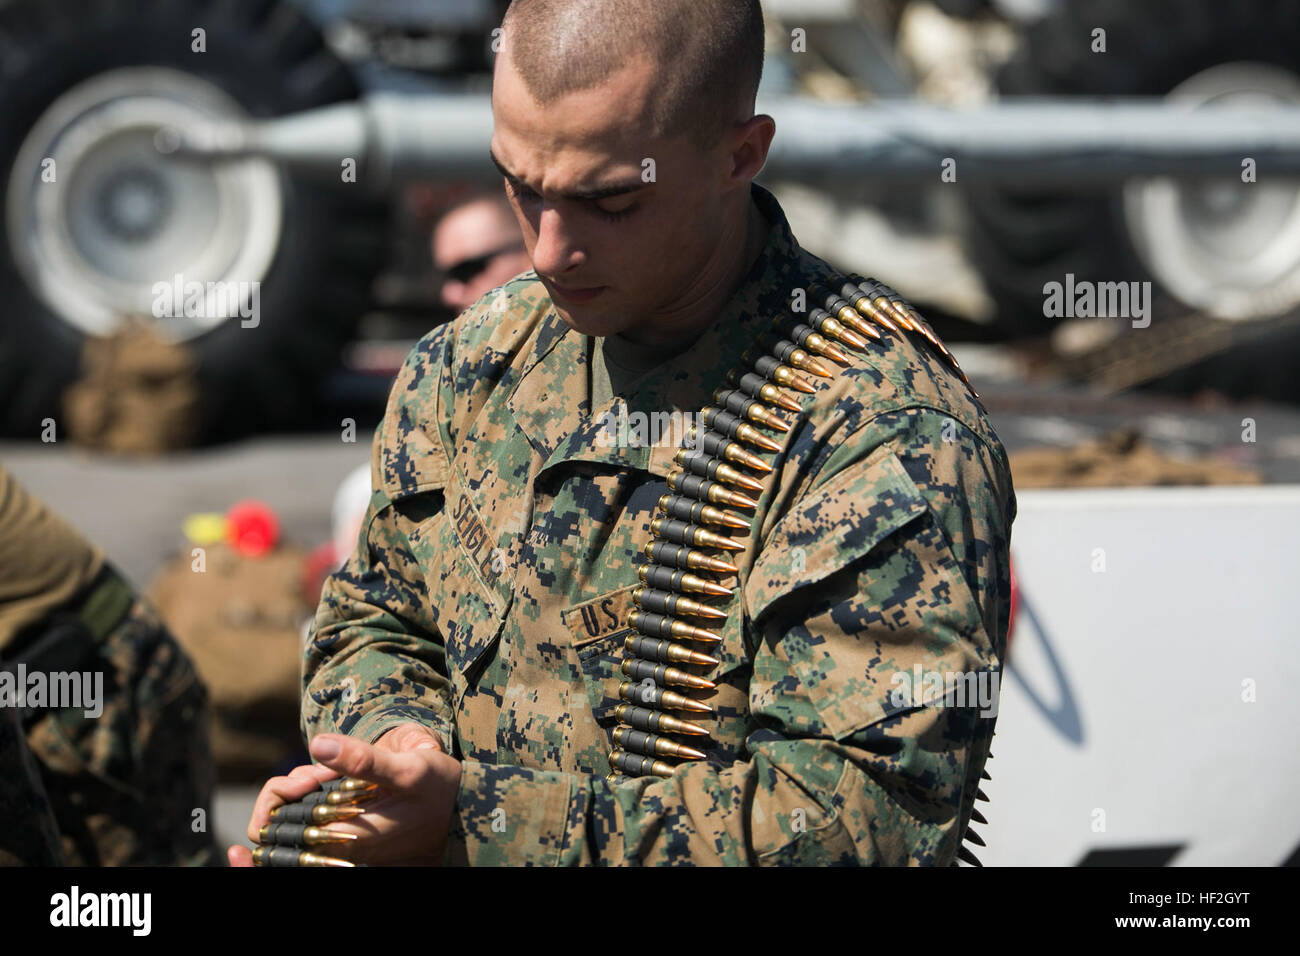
(137,394)
(1120,459)
(241,621)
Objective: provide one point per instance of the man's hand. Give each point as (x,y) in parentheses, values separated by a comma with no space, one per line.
(406,823)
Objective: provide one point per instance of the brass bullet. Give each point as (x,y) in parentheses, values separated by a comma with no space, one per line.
(300,835)
(772,369)
(673,529)
(816,342)
(712,468)
(643,718)
(756,387)
(654,624)
(288,856)
(347,785)
(643,742)
(663,674)
(669,603)
(661,697)
(637,764)
(831,327)
(802,360)
(854,319)
(675,579)
(750,434)
(697,487)
(665,552)
(740,404)
(300,813)
(698,512)
(733,426)
(340,798)
(713,443)
(661,649)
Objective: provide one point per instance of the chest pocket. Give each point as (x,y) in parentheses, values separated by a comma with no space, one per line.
(597,630)
(824,634)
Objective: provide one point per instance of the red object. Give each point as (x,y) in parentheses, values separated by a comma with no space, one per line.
(252,528)
(316,567)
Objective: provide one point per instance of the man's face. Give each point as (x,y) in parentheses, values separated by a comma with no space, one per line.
(617,241)
(478,247)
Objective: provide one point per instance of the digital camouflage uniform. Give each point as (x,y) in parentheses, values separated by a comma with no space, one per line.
(488,596)
(115,789)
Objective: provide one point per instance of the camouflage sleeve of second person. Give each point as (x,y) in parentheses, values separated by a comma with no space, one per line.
(375,657)
(896,563)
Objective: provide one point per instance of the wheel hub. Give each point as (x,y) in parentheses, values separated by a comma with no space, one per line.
(1229,247)
(99,214)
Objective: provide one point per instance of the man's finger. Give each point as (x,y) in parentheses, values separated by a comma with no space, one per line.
(276,792)
(239,856)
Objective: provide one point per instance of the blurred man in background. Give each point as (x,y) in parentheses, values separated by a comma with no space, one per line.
(104,757)
(477,245)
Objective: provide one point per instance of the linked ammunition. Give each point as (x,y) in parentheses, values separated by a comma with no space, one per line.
(663,674)
(288,856)
(298,834)
(642,742)
(682,532)
(670,603)
(664,552)
(657,625)
(675,579)
(661,649)
(304,813)
(706,466)
(643,718)
(698,512)
(640,693)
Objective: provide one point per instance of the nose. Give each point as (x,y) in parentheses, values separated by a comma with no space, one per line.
(557,249)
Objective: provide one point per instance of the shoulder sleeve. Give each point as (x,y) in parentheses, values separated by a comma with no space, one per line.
(375,656)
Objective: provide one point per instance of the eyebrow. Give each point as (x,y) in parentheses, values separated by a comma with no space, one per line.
(582,195)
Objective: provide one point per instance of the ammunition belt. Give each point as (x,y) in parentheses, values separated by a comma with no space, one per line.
(661,720)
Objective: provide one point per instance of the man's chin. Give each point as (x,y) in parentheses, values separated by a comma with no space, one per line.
(598,322)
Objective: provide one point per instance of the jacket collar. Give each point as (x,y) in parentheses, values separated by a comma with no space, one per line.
(551,402)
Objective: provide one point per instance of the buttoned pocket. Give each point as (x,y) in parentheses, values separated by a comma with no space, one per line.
(597,630)
(831,594)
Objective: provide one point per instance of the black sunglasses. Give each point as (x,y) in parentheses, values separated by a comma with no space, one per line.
(467,269)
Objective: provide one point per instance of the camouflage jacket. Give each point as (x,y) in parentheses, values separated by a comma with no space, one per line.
(489,591)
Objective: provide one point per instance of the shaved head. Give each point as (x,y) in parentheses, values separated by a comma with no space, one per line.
(707,55)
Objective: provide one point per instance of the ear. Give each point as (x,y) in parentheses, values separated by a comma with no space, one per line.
(748,144)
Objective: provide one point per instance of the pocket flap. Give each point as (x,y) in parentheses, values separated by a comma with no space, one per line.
(836,524)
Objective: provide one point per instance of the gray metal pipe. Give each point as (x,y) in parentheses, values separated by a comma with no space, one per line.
(1061,142)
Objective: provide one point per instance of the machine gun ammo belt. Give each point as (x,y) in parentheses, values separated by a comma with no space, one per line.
(717,480)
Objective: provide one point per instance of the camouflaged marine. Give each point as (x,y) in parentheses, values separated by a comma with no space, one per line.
(497,571)
(125,778)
